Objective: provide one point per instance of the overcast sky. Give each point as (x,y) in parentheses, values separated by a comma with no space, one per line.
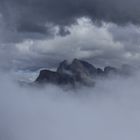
(41,33)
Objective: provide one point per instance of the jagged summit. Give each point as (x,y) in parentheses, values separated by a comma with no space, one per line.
(77,66)
(78,71)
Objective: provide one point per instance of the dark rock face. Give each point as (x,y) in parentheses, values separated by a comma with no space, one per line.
(78,71)
(47,76)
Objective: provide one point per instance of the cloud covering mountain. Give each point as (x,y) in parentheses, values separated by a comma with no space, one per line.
(110,110)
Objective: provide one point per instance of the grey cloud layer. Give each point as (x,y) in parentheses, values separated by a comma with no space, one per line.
(32,15)
(26,27)
(104,45)
(109,111)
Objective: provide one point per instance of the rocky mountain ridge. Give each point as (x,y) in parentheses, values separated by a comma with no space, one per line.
(76,72)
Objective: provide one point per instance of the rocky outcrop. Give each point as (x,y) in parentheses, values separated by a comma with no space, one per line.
(77,66)
(77,72)
(47,76)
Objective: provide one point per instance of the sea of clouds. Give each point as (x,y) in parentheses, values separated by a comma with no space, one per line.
(109,111)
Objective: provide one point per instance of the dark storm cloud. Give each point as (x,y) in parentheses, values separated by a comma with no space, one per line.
(99,45)
(31,27)
(64,12)
(27,25)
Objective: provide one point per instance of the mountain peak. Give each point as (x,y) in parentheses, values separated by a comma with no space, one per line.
(78,71)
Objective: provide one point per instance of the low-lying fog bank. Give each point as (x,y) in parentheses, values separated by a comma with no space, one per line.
(109,111)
